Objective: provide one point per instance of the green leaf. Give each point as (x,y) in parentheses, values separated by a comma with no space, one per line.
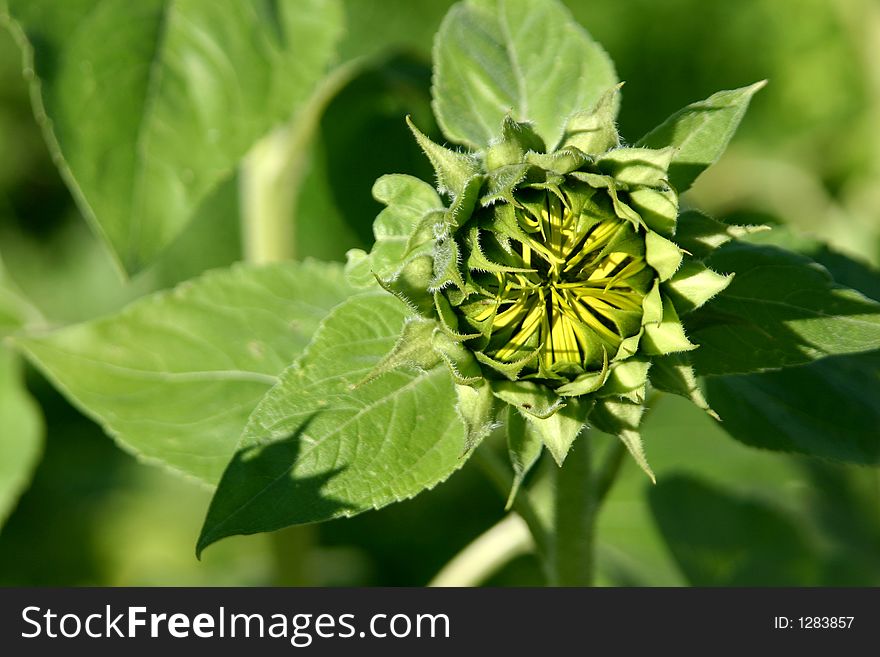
(666,337)
(700,235)
(700,132)
(476,410)
(453,169)
(720,539)
(828,409)
(21,440)
(693,285)
(174,376)
(781,310)
(148,107)
(530,398)
(674,373)
(627,379)
(524,446)
(409,204)
(594,131)
(462,364)
(526,58)
(622,418)
(637,166)
(319,447)
(357,269)
(555,421)
(658,208)
(559,431)
(664,256)
(15,310)
(414,348)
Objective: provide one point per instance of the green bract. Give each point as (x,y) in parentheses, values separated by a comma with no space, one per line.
(549,276)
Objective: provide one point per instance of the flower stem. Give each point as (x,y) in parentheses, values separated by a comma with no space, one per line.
(574,518)
(273,171)
(500,475)
(581,488)
(486,555)
(608,471)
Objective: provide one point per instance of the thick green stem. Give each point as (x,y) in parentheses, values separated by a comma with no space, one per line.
(291,548)
(500,475)
(581,487)
(607,473)
(273,171)
(574,518)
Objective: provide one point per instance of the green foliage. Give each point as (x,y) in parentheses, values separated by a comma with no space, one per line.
(174,376)
(147,112)
(719,539)
(781,310)
(324,444)
(20,417)
(700,132)
(525,59)
(828,408)
(15,310)
(321,405)
(22,439)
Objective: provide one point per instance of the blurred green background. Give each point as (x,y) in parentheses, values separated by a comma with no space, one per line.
(807,154)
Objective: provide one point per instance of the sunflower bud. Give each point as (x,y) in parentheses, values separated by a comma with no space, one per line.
(549,274)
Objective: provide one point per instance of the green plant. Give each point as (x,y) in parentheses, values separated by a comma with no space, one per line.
(550,283)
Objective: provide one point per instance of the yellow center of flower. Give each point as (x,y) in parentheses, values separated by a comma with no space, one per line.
(578,296)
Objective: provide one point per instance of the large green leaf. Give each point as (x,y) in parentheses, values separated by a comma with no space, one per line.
(830,408)
(375,28)
(526,58)
(21,439)
(700,132)
(149,105)
(324,443)
(781,310)
(174,376)
(720,539)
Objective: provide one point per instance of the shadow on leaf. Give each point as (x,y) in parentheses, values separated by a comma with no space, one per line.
(260,492)
(780,310)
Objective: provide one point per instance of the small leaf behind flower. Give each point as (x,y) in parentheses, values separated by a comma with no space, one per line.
(526,58)
(594,131)
(700,132)
(700,235)
(693,285)
(559,431)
